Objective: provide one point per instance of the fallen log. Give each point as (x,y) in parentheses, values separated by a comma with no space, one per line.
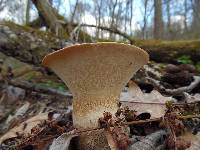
(35,88)
(171,51)
(31,45)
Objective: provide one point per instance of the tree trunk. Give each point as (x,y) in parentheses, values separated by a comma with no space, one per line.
(144,20)
(28,11)
(158,22)
(49,16)
(185,15)
(112,16)
(74,11)
(196,18)
(168,20)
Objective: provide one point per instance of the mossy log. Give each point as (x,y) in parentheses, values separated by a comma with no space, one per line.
(27,44)
(171,51)
(31,45)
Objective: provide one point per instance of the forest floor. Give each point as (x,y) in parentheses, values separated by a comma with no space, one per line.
(160,105)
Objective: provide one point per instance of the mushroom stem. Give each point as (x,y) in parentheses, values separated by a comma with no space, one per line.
(89,109)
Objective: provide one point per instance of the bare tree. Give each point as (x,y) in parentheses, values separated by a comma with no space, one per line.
(186,8)
(112,8)
(98,6)
(158,19)
(28,5)
(74,11)
(196,18)
(168,34)
(2,4)
(131,15)
(145,3)
(49,16)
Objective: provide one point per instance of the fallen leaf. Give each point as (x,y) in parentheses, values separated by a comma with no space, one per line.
(62,142)
(25,127)
(135,99)
(134,90)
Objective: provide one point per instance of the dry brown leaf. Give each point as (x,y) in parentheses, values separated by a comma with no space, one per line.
(134,90)
(63,141)
(135,99)
(25,127)
(155,109)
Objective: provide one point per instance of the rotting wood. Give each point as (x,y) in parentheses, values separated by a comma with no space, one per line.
(35,88)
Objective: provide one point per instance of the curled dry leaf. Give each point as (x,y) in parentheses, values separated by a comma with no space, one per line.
(20,112)
(134,90)
(25,127)
(135,99)
(63,141)
(155,109)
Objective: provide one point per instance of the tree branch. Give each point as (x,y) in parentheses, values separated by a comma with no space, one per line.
(113,30)
(32,87)
(177,91)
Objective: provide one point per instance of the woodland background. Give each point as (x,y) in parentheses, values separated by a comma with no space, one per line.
(169,30)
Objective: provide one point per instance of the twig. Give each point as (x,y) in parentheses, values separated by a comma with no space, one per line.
(158,103)
(177,91)
(113,30)
(142,102)
(32,87)
(139,122)
(142,121)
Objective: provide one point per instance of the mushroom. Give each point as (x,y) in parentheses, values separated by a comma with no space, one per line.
(95,74)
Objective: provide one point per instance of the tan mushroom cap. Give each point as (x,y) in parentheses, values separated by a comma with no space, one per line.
(95,74)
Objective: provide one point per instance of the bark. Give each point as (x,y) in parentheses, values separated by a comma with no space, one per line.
(49,16)
(158,22)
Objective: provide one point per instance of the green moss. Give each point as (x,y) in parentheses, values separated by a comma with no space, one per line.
(54,84)
(197,66)
(185,59)
(168,44)
(26,28)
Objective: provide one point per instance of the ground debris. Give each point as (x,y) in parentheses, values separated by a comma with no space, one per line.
(150,142)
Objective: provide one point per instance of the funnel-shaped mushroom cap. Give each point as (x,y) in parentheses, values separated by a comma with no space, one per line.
(95,74)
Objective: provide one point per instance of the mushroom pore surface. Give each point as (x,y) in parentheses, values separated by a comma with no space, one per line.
(95,74)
